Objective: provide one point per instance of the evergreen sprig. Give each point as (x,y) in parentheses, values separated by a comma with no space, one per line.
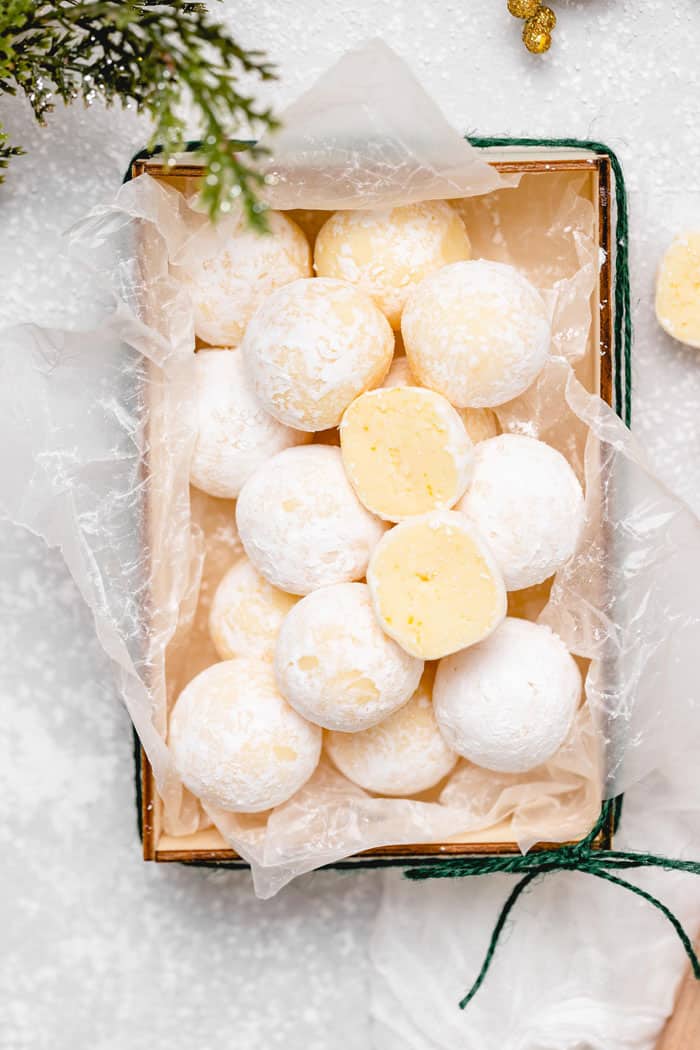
(153,56)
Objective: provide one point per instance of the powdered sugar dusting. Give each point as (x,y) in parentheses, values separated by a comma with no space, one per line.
(404,754)
(247,613)
(235,433)
(477,332)
(314,346)
(527,503)
(228,286)
(236,742)
(387,251)
(336,666)
(507,703)
(302,525)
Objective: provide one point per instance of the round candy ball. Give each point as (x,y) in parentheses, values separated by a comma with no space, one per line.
(301,524)
(677,289)
(228,287)
(479,423)
(507,704)
(312,347)
(246,613)
(237,743)
(404,754)
(405,450)
(387,251)
(435,584)
(477,332)
(526,501)
(234,432)
(335,665)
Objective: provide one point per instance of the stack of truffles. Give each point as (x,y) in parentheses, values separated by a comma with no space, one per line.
(383,515)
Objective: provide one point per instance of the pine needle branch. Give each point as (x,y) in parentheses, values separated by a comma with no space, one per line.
(153,56)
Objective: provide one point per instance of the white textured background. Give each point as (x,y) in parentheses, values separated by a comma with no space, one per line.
(98,949)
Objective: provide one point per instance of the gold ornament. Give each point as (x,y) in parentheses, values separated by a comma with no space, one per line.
(523,8)
(540,20)
(544,19)
(536,39)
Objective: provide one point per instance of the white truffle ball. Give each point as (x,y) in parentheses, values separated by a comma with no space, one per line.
(479,423)
(247,613)
(312,347)
(229,286)
(234,432)
(527,503)
(237,743)
(387,251)
(404,754)
(477,332)
(508,703)
(301,524)
(335,665)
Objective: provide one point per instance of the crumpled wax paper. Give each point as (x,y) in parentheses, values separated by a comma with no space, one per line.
(101,427)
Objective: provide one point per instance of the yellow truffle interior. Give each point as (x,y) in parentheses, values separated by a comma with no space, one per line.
(398,453)
(434,590)
(678,290)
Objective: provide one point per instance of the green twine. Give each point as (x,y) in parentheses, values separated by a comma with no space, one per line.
(581,856)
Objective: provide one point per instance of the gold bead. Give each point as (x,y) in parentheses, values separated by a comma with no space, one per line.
(544,19)
(523,8)
(536,40)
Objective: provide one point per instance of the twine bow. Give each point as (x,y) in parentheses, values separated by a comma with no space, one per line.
(581,856)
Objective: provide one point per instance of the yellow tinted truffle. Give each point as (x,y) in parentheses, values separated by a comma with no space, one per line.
(387,251)
(435,585)
(678,289)
(405,451)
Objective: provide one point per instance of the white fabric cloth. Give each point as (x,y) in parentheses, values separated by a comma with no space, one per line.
(581,965)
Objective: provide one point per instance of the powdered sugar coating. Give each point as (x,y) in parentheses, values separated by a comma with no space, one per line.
(479,423)
(229,286)
(301,524)
(335,665)
(507,703)
(237,743)
(527,503)
(235,433)
(477,332)
(312,347)
(404,754)
(387,251)
(247,613)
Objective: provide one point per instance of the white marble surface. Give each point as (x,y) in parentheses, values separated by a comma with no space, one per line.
(101,950)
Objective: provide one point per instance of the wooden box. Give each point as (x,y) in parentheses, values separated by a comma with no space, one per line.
(597,374)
